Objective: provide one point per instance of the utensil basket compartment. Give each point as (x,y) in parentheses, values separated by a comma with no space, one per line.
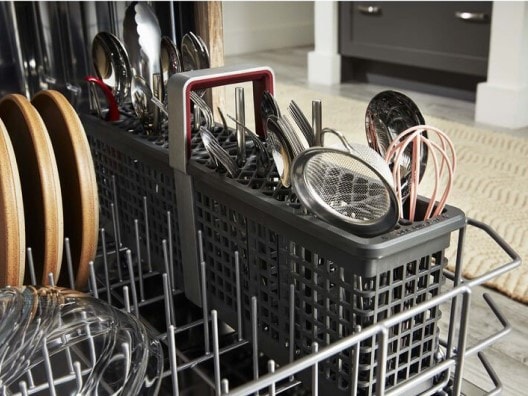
(137,171)
(341,283)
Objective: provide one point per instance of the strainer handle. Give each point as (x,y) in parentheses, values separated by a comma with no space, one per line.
(339,134)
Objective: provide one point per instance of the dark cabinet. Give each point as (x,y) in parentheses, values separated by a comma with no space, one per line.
(446,36)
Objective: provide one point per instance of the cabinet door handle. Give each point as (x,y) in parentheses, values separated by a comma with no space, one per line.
(369,10)
(472,16)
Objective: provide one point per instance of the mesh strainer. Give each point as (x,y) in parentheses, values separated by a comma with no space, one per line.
(350,188)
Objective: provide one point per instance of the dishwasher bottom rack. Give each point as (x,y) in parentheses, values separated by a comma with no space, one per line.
(202,355)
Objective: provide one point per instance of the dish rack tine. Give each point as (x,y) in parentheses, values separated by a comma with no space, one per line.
(93,281)
(271,370)
(172,358)
(116,206)
(492,374)
(254,336)
(126,299)
(147,232)
(139,264)
(292,323)
(22,385)
(315,371)
(171,256)
(170,288)
(216,352)
(31,265)
(205,307)
(105,266)
(200,246)
(78,375)
(132,281)
(51,279)
(69,262)
(117,244)
(47,366)
(169,318)
(224,384)
(238,296)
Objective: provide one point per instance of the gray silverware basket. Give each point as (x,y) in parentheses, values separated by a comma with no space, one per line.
(310,281)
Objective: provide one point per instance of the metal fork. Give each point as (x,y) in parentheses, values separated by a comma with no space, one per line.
(302,122)
(204,108)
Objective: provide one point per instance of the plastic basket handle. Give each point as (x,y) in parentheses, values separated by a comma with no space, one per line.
(180,87)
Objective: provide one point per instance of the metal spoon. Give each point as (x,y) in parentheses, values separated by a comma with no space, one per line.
(268,107)
(194,54)
(203,52)
(189,53)
(170,61)
(112,65)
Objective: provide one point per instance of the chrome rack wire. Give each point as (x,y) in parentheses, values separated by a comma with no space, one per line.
(124,277)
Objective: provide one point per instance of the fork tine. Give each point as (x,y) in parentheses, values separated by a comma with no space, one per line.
(302,122)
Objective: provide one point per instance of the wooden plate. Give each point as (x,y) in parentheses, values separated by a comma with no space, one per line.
(39,178)
(12,234)
(77,178)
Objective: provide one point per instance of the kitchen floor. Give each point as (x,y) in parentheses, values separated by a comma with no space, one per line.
(509,357)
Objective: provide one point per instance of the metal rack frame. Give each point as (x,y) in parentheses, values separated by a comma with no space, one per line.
(125,287)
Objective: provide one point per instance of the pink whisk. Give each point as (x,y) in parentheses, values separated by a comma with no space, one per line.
(395,156)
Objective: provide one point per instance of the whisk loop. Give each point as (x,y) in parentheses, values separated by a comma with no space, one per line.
(416,136)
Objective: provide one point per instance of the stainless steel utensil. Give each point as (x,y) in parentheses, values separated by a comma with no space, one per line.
(263,160)
(203,51)
(415,138)
(317,122)
(268,107)
(302,122)
(131,38)
(280,150)
(388,114)
(141,98)
(149,38)
(222,117)
(218,153)
(350,188)
(112,65)
(142,36)
(195,54)
(240,113)
(294,139)
(170,61)
(204,109)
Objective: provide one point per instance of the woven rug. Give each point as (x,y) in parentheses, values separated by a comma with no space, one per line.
(491,184)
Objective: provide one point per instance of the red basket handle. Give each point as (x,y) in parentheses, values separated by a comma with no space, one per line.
(180,87)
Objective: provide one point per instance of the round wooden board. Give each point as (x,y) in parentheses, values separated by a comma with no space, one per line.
(77,178)
(12,228)
(39,178)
